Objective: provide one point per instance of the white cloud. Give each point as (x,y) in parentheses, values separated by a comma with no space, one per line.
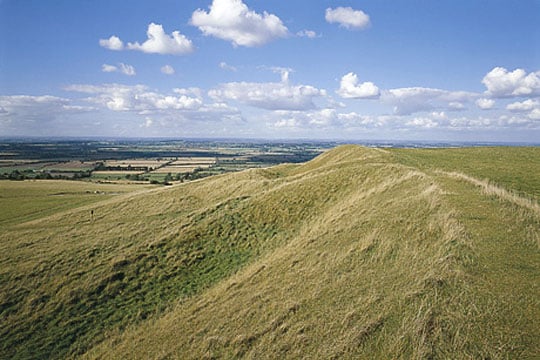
(456,106)
(283,71)
(422,122)
(192,91)
(121,68)
(350,89)
(112,43)
(529,105)
(287,123)
(186,105)
(407,101)
(534,114)
(347,17)
(108,68)
(269,96)
(223,65)
(439,116)
(160,43)
(167,70)
(233,21)
(526,105)
(503,83)
(147,122)
(27,113)
(307,33)
(485,104)
(127,69)
(324,119)
(354,120)
(135,98)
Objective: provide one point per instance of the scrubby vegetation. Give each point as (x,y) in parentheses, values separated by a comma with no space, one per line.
(359,253)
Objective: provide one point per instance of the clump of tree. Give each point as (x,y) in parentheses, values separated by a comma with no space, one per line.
(136,177)
(43,175)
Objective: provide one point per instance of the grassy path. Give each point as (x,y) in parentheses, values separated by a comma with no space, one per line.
(503,291)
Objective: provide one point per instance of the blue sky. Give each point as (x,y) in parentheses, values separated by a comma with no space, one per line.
(380,69)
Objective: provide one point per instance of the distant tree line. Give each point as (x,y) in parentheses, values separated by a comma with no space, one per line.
(39,175)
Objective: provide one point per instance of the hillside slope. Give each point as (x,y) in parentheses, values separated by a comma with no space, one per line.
(358,253)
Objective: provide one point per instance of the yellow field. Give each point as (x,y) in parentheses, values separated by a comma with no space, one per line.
(194,161)
(136,163)
(117,172)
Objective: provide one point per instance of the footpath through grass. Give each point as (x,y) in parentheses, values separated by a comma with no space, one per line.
(514,168)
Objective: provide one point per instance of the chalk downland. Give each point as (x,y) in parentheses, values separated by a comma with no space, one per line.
(354,254)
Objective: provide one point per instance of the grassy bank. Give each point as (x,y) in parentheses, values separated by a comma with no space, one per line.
(357,253)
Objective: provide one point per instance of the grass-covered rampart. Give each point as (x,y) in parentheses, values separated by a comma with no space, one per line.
(358,253)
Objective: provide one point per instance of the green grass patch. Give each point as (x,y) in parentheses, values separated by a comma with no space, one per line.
(515,168)
(32,199)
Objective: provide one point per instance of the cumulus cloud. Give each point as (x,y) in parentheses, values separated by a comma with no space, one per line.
(233,21)
(121,68)
(325,118)
(532,107)
(112,43)
(347,17)
(503,83)
(139,98)
(534,114)
(485,104)
(526,105)
(269,96)
(422,122)
(350,89)
(159,42)
(162,108)
(406,101)
(322,118)
(167,70)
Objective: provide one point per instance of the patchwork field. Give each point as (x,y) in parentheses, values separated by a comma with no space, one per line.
(153,161)
(358,253)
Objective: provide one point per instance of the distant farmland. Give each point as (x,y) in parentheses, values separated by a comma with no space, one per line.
(160,161)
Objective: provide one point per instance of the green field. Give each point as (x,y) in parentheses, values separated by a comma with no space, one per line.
(358,253)
(27,200)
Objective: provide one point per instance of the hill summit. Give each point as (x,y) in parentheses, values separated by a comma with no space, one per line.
(359,253)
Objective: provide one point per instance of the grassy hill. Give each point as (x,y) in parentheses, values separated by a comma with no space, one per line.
(359,253)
